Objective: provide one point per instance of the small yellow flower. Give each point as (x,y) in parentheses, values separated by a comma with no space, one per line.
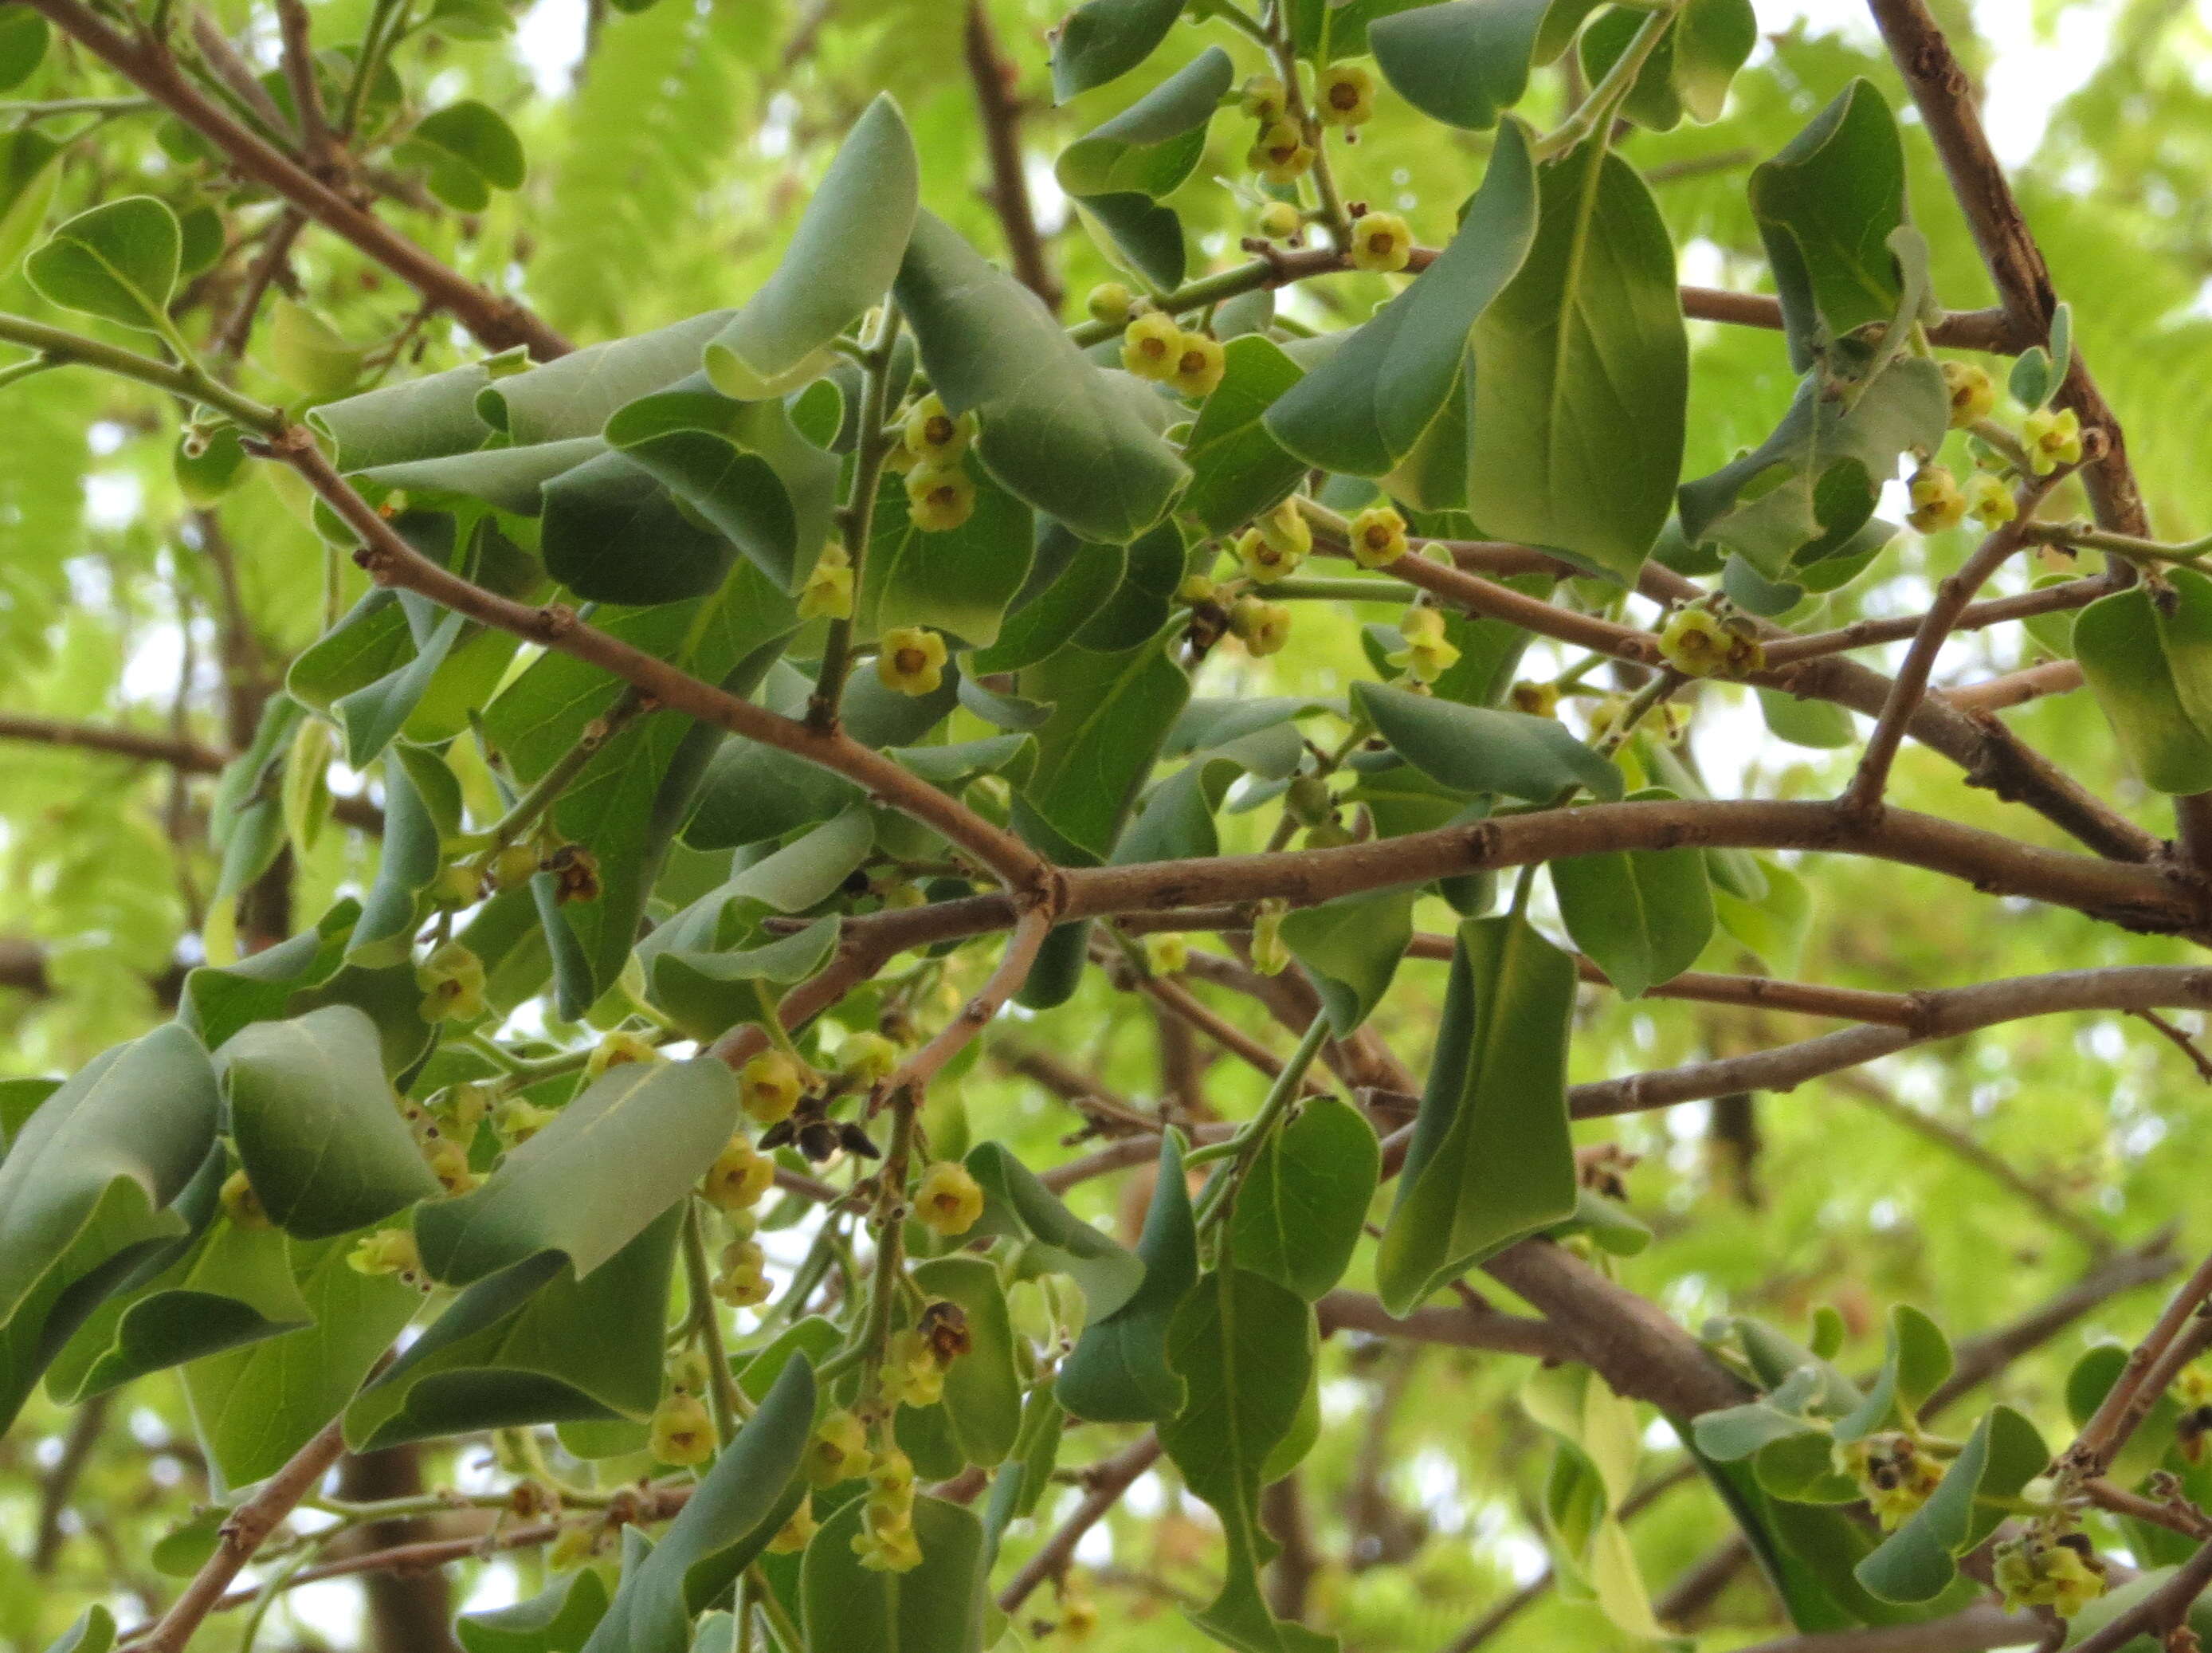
(619,1049)
(1894,1473)
(1694,643)
(1271,954)
(794,1535)
(828,592)
(892,1477)
(449,1165)
(1344,96)
(1281,155)
(1107,302)
(1378,537)
(688,1373)
(938,501)
(683,1432)
(1973,394)
(1427,654)
(1381,242)
(1167,952)
(241,1203)
(1199,364)
(2039,1569)
(1536,699)
(1285,528)
(739,1176)
(1279,221)
(838,1451)
(516,1121)
(1989,501)
(1264,560)
(1196,588)
(515,864)
(933,435)
(911,659)
(948,1200)
(742,1281)
(1262,97)
(2053,437)
(769,1086)
(387,1251)
(868,1057)
(911,1373)
(1152,345)
(1264,627)
(578,1542)
(453,983)
(1937,504)
(899,1552)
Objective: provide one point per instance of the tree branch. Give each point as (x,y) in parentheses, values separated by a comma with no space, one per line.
(1109,1480)
(993,76)
(1969,1630)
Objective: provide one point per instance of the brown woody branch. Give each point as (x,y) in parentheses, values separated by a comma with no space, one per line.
(186,755)
(1001,111)
(497,322)
(1108,1482)
(1969,1630)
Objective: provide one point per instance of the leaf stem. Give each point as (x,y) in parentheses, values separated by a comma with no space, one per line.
(857,517)
(59,347)
(1245,1147)
(1597,109)
(728,1400)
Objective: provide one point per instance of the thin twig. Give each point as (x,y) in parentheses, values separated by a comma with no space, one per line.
(1108,1482)
(1001,112)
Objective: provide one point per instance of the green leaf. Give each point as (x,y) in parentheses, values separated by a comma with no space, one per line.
(468,149)
(1017,1204)
(726,1523)
(1103,41)
(599,514)
(318,1128)
(936,1608)
(93,1632)
(1475,749)
(23,37)
(2117,640)
(1825,206)
(1244,1348)
(1492,1159)
(1076,443)
(1365,405)
(1917,1562)
(1302,1206)
(1582,374)
(256,1405)
(30,171)
(1465,62)
(1351,947)
(1239,470)
(981,1410)
(556,1621)
(842,259)
(1068,585)
(626,1150)
(1644,914)
(414,852)
(1119,1371)
(1773,926)
(308,355)
(1118,172)
(19,1100)
(1110,713)
(958,580)
(1711,40)
(117,261)
(534,1344)
(1820,723)
(706,993)
(85,1189)
(571,396)
(1917,1360)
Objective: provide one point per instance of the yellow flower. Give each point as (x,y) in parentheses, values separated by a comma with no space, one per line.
(2053,437)
(1989,501)
(940,500)
(1694,643)
(1196,588)
(1344,96)
(1264,627)
(911,659)
(1264,560)
(1168,952)
(892,1477)
(1199,364)
(828,592)
(738,1177)
(933,435)
(516,1121)
(2037,1569)
(899,1552)
(682,1431)
(1378,537)
(1285,528)
(1973,394)
(1381,242)
(1078,1617)
(453,983)
(688,1373)
(619,1049)
(742,1281)
(1896,1476)
(1281,156)
(769,1086)
(1152,345)
(241,1203)
(1280,220)
(838,1451)
(1270,954)
(387,1251)
(794,1535)
(1262,97)
(1427,654)
(1937,504)
(948,1200)
(449,1165)
(911,1374)
(1108,302)
(1536,699)
(515,864)
(868,1057)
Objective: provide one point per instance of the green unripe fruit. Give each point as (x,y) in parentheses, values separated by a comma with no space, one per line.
(1108,303)
(1279,220)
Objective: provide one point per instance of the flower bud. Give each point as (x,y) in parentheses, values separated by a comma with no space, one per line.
(1107,302)
(1279,221)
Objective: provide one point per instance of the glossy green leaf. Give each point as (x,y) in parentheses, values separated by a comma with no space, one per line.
(622,1153)
(1917,1561)
(842,259)
(1119,1371)
(117,261)
(598,516)
(1492,1158)
(1110,713)
(532,1344)
(1917,1361)
(1351,948)
(93,1632)
(936,1608)
(1711,40)
(725,1524)
(981,1413)
(1644,914)
(1069,583)
(1102,40)
(557,1619)
(1477,749)
(23,38)
(1074,442)
(2117,640)
(1362,408)
(317,1126)
(1581,375)
(1466,62)
(1117,174)
(959,581)
(1244,1348)
(1825,206)
(1018,1205)
(1820,723)
(1302,1206)
(1239,470)
(85,1191)
(30,170)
